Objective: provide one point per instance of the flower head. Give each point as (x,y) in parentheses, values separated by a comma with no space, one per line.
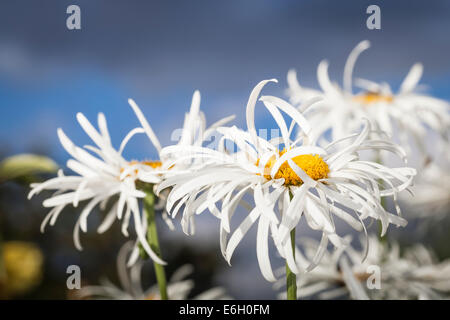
(390,272)
(21,268)
(101,176)
(288,180)
(407,113)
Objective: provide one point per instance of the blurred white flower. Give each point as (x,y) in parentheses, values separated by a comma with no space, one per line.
(412,274)
(407,113)
(432,193)
(295,177)
(131,288)
(103,174)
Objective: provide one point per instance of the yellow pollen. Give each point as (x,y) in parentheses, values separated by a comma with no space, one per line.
(372,97)
(313,165)
(152,164)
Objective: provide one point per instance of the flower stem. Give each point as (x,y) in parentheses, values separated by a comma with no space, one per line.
(291,278)
(152,238)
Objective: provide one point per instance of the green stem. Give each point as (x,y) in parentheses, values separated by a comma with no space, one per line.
(152,238)
(291,278)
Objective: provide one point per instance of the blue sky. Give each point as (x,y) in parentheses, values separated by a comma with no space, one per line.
(160,52)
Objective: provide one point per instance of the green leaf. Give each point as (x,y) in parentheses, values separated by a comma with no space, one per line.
(23,165)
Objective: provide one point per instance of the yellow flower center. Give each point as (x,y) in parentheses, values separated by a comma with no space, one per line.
(152,164)
(313,165)
(372,97)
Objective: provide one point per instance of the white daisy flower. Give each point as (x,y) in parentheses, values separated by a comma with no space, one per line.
(101,175)
(194,133)
(385,272)
(131,287)
(288,180)
(408,112)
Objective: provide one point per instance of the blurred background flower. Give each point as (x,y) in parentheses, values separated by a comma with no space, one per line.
(131,286)
(411,274)
(21,268)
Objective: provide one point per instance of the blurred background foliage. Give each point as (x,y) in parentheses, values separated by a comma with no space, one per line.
(33,265)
